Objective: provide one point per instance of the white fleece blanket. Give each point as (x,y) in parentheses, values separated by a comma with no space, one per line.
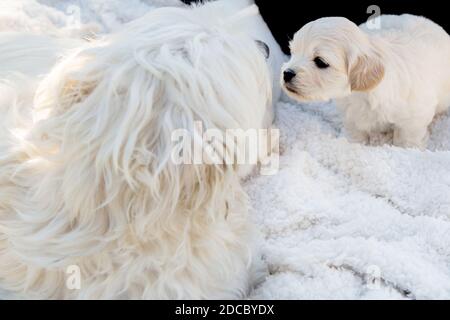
(339,220)
(345,221)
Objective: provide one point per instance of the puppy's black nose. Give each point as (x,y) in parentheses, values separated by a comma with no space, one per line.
(288,75)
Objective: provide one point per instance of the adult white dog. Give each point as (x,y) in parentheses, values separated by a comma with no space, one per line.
(86,177)
(392,79)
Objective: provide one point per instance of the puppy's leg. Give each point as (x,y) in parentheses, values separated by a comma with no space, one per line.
(411,136)
(382,136)
(356,135)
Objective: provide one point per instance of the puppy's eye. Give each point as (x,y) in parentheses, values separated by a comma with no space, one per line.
(320,63)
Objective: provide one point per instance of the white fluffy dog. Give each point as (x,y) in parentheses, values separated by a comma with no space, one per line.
(392,79)
(86,176)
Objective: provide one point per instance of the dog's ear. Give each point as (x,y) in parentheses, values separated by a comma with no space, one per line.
(366,73)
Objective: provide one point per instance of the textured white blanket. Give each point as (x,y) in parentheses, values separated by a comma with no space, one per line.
(345,221)
(339,220)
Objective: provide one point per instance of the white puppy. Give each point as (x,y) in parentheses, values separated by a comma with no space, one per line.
(396,78)
(87,182)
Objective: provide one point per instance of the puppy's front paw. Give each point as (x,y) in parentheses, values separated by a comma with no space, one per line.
(381,138)
(356,136)
(411,137)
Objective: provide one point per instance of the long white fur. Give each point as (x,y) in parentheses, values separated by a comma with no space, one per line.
(32,55)
(86,176)
(394,79)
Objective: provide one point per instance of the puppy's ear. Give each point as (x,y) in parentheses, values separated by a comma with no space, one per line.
(366,73)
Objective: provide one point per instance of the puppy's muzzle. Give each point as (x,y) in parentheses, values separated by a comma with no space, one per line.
(288,75)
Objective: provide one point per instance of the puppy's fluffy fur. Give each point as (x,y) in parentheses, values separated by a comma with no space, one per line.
(86,176)
(394,79)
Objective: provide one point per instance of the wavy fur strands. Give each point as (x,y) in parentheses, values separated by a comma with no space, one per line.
(32,55)
(91,182)
(33,17)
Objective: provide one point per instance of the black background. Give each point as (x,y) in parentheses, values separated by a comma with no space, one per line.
(165,310)
(286,17)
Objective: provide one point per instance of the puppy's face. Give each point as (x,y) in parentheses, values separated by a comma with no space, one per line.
(330,58)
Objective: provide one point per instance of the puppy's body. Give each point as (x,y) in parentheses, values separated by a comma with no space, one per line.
(398,76)
(416,84)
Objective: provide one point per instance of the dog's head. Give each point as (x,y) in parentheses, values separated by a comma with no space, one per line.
(331,57)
